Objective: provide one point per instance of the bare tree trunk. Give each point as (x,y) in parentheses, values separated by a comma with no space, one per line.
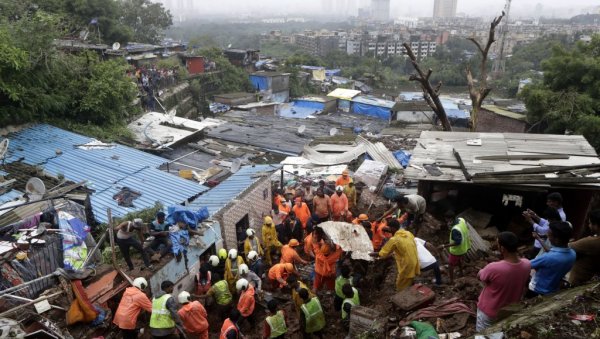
(479,92)
(430,94)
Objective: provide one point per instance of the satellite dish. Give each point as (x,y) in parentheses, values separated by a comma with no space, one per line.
(35,188)
(333,131)
(229,46)
(235,165)
(3,148)
(301,129)
(116,46)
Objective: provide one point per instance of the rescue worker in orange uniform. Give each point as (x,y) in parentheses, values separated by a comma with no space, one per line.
(289,254)
(312,242)
(247,301)
(339,205)
(325,266)
(230,329)
(132,302)
(302,211)
(343,179)
(361,217)
(194,317)
(279,273)
(380,234)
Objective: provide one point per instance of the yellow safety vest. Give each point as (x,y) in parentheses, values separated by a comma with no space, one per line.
(161,317)
(313,313)
(277,324)
(352,301)
(222,293)
(465,245)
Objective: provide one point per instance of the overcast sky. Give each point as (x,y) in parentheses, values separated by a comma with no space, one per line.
(520,8)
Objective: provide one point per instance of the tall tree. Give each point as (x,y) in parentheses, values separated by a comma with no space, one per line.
(568,99)
(478,92)
(430,94)
(147,20)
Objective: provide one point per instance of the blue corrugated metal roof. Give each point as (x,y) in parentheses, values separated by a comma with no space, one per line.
(106,170)
(373,101)
(218,197)
(10,196)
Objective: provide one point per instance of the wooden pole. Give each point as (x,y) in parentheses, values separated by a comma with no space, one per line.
(95,249)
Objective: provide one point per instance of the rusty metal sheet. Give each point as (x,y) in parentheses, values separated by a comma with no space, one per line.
(98,288)
(350,237)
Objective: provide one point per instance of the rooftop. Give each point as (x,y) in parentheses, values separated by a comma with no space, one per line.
(412,106)
(344,94)
(505,113)
(373,101)
(269,74)
(235,95)
(106,167)
(496,152)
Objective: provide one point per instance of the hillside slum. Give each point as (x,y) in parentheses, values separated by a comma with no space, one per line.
(65,196)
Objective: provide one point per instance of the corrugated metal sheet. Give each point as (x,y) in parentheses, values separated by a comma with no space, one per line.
(218,197)
(379,152)
(10,196)
(106,170)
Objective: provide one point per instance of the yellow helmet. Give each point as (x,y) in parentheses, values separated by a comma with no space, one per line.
(268,220)
(222,254)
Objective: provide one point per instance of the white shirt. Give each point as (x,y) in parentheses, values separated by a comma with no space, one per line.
(425,257)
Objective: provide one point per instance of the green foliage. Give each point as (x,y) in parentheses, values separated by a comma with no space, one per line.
(146,19)
(79,15)
(278,50)
(173,62)
(228,77)
(568,99)
(107,133)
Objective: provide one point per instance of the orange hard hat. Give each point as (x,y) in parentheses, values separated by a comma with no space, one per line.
(288,267)
(363,217)
(345,172)
(293,243)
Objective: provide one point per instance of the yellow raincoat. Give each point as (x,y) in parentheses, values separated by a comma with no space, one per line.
(269,235)
(232,275)
(402,246)
(248,246)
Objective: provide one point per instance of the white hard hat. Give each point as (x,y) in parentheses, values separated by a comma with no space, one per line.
(232,253)
(241,284)
(250,232)
(140,283)
(243,269)
(339,188)
(138,221)
(213,260)
(252,255)
(184,297)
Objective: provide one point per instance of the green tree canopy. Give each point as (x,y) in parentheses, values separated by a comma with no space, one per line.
(568,98)
(147,20)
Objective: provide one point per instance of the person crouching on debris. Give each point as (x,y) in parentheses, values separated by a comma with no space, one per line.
(230,328)
(275,325)
(459,245)
(289,254)
(132,302)
(312,318)
(279,273)
(255,263)
(505,281)
(164,319)
(325,266)
(232,267)
(194,317)
(221,295)
(296,285)
(125,240)
(269,234)
(247,300)
(159,229)
(402,246)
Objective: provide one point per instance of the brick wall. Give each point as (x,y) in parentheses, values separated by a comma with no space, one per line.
(491,122)
(255,201)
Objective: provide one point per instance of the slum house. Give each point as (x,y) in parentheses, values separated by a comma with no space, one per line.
(412,112)
(239,203)
(374,107)
(500,175)
(274,86)
(195,64)
(304,107)
(344,98)
(491,118)
(243,58)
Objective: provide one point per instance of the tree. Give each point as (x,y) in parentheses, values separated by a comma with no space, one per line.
(479,92)
(147,20)
(430,94)
(568,98)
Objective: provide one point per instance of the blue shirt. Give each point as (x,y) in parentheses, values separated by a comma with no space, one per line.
(550,268)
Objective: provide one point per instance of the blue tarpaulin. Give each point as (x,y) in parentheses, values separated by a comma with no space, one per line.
(370,110)
(260,83)
(309,104)
(403,157)
(191,218)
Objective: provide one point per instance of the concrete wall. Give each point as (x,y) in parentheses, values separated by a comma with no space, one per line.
(415,117)
(280,83)
(492,122)
(255,202)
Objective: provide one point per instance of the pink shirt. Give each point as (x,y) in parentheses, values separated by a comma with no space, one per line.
(505,284)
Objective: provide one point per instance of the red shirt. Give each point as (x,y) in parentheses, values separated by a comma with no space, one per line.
(505,284)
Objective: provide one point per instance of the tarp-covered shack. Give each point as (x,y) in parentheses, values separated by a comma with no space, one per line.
(344,97)
(374,107)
